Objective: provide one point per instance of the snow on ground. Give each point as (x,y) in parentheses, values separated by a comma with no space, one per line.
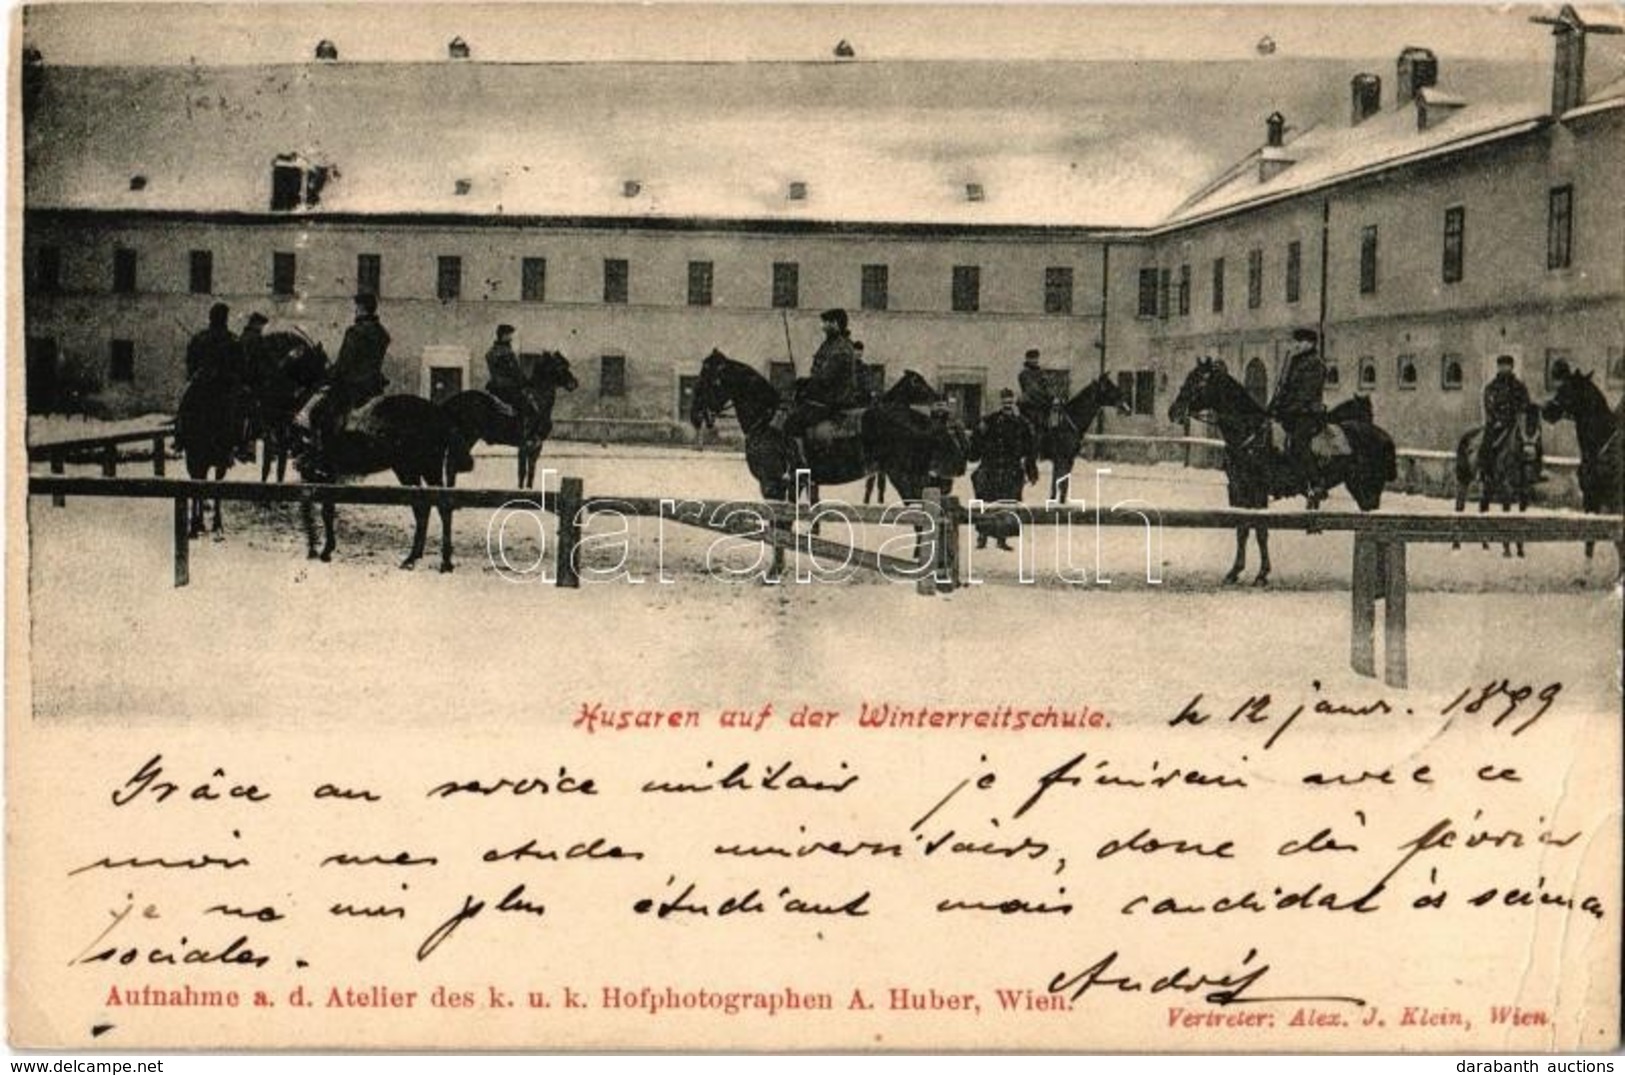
(268,637)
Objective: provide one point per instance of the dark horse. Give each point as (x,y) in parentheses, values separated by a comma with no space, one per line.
(289,367)
(210,428)
(894,440)
(478,416)
(913,390)
(1513,466)
(1602,459)
(405,434)
(1257,471)
(1069,421)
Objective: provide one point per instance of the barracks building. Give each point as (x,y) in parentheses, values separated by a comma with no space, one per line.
(637,216)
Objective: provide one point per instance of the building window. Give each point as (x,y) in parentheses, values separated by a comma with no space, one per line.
(1451,376)
(200,272)
(1368,260)
(1058,289)
(1148,293)
(1455,228)
(124,271)
(369,274)
(1185,290)
(1560,228)
(1218,285)
(48,270)
(782,376)
(1368,373)
(611,376)
(700,274)
(1255,279)
(1552,356)
(876,287)
(533,279)
(1165,278)
(1294,271)
(121,361)
(1614,372)
(284,269)
(1405,369)
(1139,388)
(1333,378)
(967,291)
(786,285)
(617,281)
(448,278)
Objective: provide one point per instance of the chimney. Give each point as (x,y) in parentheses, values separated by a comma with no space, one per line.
(1569,64)
(1366,91)
(326,50)
(1274,130)
(1274,158)
(1418,69)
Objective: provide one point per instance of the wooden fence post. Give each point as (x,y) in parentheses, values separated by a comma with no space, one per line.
(158,456)
(1395,670)
(1363,623)
(183,552)
(59,465)
(570,498)
(948,545)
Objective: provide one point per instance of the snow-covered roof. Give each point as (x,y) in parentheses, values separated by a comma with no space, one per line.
(1328,154)
(1048,144)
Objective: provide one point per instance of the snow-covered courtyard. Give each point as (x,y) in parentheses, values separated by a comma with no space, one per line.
(264,636)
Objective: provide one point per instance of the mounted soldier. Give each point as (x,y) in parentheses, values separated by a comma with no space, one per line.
(1506,401)
(1038,400)
(357,377)
(506,379)
(1299,405)
(831,386)
(215,352)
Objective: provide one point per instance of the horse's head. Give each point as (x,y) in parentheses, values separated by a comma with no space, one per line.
(1199,393)
(911,389)
(554,371)
(1574,391)
(710,390)
(1109,394)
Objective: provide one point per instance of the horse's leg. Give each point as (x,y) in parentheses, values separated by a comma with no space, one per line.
(307,518)
(331,543)
(1484,506)
(1461,504)
(445,536)
(420,532)
(1240,562)
(218,529)
(1263,536)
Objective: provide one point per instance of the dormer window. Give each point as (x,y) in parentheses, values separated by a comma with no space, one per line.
(138,182)
(326,50)
(463,186)
(974,192)
(631,188)
(458,49)
(798,190)
(296,183)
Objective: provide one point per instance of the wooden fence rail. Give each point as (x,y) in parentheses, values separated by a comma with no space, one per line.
(1379,569)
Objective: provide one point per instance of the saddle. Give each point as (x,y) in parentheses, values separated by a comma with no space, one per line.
(840,426)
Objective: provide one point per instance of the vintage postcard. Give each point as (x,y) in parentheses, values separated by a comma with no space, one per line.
(929,527)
